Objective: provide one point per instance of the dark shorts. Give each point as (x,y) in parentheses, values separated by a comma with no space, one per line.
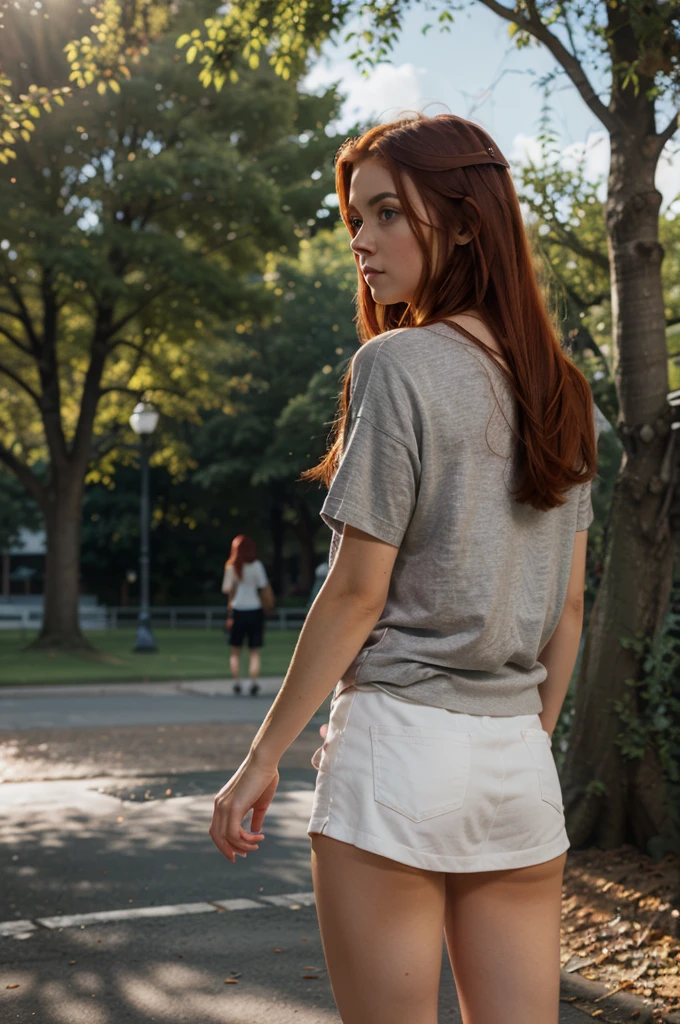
(247,623)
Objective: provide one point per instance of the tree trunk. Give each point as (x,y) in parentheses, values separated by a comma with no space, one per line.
(611,799)
(63,521)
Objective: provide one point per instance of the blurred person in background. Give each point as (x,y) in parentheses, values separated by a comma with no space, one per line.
(250,595)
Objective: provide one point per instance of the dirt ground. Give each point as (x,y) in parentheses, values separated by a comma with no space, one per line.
(621,923)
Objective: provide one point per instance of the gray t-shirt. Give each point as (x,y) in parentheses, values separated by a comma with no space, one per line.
(479,581)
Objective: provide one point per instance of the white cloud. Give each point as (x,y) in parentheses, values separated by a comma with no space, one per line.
(381,97)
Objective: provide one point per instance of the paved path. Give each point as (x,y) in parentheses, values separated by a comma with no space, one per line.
(47,707)
(105,809)
(86,847)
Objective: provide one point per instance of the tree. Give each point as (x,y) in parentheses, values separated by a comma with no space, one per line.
(134,230)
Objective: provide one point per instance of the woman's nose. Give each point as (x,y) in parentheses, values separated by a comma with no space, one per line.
(361,243)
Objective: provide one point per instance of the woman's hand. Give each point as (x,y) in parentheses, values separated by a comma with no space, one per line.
(252,785)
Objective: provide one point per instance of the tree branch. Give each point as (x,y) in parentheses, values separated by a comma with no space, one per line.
(21,383)
(535,27)
(15,341)
(570,240)
(115,327)
(123,390)
(669,131)
(48,369)
(24,476)
(25,316)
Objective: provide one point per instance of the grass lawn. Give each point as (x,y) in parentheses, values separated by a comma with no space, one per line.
(182,654)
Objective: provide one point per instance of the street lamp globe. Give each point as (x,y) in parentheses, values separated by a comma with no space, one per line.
(144,419)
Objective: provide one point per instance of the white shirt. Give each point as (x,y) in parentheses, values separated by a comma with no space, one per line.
(246,597)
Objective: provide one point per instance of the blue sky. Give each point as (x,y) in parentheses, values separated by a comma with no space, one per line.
(476,72)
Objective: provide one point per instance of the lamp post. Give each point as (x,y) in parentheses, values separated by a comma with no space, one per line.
(143,421)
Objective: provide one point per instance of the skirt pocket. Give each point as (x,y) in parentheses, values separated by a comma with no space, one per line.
(418,772)
(540,749)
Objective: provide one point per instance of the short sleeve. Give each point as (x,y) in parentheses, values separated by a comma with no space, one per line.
(376,484)
(262,580)
(584,515)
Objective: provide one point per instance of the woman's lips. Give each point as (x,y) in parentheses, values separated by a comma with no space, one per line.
(372,273)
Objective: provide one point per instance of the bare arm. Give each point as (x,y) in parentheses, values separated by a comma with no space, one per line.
(343,614)
(560,653)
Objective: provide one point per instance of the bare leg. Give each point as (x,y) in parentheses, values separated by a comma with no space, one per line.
(235,662)
(503,938)
(254,663)
(382,932)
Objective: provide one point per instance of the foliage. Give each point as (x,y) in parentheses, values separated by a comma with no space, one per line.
(134,231)
(17,510)
(284,380)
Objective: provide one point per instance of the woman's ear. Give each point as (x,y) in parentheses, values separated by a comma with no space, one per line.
(462,237)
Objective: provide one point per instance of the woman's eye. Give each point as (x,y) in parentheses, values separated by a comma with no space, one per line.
(355,222)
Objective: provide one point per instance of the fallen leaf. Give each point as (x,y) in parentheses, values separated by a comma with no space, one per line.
(310,977)
(15,985)
(277,950)
(231,981)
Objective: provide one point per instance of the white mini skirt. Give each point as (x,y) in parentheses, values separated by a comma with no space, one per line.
(437,789)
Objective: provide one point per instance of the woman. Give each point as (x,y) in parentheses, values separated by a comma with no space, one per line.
(244,579)
(452,613)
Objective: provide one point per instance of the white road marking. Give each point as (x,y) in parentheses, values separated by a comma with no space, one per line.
(74,920)
(305,899)
(239,904)
(18,929)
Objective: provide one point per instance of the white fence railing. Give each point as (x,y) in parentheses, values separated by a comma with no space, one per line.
(194,617)
(29,617)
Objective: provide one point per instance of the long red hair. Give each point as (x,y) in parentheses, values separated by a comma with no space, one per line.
(493,275)
(243,551)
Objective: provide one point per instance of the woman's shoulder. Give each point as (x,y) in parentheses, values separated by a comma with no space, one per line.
(393,353)
(408,344)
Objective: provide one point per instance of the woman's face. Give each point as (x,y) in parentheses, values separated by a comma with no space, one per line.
(383,239)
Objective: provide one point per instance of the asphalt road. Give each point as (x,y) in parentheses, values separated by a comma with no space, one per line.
(125,842)
(132,704)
